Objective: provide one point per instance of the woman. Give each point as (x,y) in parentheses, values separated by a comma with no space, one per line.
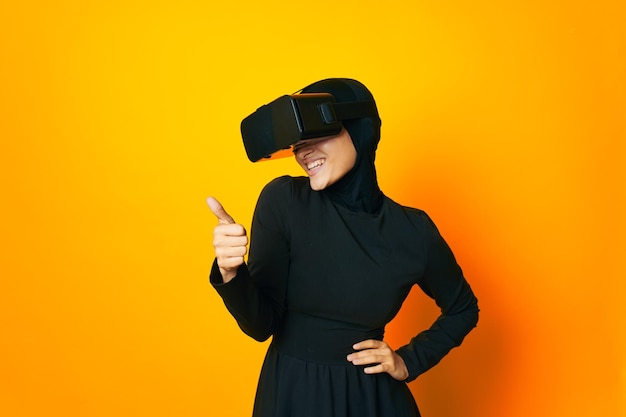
(331,261)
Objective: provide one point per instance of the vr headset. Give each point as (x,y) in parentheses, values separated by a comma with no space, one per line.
(269,132)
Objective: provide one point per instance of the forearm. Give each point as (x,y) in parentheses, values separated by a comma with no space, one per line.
(255,313)
(430,346)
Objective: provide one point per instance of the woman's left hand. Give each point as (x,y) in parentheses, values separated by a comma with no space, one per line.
(379,353)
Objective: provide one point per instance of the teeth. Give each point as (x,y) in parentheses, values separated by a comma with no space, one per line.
(315,164)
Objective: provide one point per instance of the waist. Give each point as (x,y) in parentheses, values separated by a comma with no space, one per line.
(317,339)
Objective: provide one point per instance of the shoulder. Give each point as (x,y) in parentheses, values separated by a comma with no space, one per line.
(411,213)
(282,192)
(416,217)
(284,187)
(277,203)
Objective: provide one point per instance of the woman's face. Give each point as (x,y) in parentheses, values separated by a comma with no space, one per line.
(326,160)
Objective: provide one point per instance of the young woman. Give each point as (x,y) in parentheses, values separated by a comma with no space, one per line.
(331,260)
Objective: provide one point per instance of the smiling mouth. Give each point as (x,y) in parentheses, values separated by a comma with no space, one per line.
(315,164)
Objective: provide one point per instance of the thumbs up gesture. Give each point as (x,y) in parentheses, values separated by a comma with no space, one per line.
(229,240)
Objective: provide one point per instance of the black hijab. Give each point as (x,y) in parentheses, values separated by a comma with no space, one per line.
(358,189)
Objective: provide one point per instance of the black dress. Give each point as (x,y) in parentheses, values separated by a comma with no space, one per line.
(322,277)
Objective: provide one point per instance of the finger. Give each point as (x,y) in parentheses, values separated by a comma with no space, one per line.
(230,263)
(378,369)
(230,251)
(230,240)
(231,229)
(367,359)
(369,344)
(222,216)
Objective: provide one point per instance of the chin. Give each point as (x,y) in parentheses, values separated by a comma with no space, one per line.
(316,186)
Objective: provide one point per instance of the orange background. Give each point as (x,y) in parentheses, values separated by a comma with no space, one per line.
(505,121)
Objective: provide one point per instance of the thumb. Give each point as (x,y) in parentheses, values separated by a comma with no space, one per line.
(218,210)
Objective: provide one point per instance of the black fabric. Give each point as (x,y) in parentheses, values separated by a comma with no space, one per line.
(355,110)
(318,282)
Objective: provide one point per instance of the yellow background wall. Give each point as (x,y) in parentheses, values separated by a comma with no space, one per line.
(505,121)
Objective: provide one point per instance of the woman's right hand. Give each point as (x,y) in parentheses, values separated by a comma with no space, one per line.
(229,240)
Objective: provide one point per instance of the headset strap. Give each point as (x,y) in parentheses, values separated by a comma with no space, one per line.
(332,112)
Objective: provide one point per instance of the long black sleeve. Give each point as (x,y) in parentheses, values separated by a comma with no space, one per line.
(444,282)
(256,295)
